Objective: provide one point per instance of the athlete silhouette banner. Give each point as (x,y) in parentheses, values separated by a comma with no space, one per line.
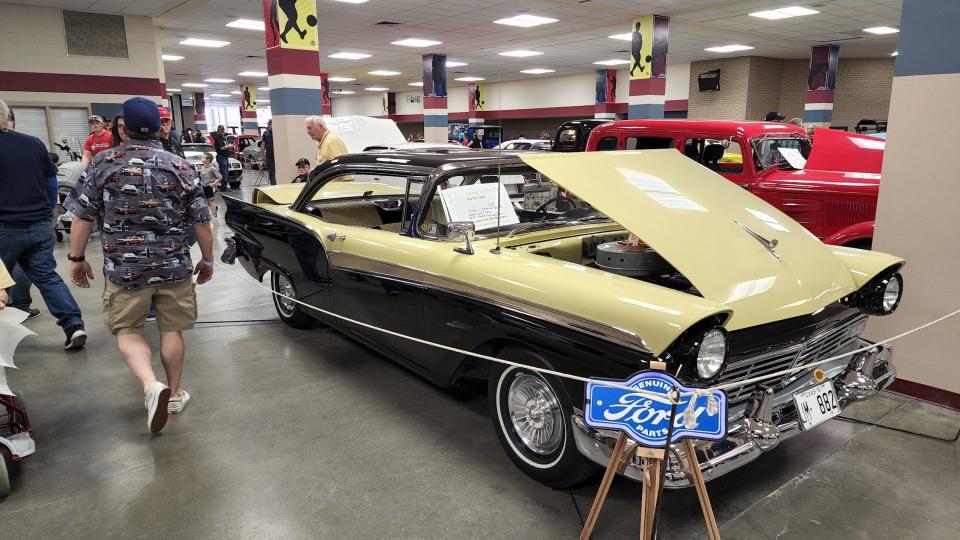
(249,98)
(297,24)
(648,47)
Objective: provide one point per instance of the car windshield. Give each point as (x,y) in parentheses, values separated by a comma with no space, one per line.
(781,152)
(197,150)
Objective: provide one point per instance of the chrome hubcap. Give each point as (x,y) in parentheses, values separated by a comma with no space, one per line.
(284,302)
(535,414)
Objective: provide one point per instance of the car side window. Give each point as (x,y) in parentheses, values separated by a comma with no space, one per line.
(365,199)
(719,155)
(607,143)
(647,143)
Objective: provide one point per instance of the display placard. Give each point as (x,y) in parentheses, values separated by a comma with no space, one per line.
(478,203)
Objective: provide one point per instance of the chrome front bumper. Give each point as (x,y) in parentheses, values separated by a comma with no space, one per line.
(758,426)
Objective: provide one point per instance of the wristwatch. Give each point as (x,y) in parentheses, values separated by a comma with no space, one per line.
(80,258)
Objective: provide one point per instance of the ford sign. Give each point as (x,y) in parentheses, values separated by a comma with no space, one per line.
(645,416)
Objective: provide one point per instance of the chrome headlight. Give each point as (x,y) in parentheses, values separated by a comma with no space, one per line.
(884,298)
(712,353)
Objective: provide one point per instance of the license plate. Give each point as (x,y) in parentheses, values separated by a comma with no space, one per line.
(816,405)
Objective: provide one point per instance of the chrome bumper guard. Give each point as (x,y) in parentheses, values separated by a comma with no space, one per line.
(758,426)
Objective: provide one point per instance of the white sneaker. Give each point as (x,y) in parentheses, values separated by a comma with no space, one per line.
(177,404)
(156,403)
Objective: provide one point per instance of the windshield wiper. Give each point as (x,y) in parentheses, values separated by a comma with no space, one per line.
(537,225)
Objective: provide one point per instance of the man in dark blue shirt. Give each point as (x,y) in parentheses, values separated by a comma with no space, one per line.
(27,237)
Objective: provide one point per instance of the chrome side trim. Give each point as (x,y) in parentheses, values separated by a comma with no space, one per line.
(356,263)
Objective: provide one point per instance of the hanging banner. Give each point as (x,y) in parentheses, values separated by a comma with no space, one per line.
(249,98)
(823,67)
(325,102)
(648,47)
(645,418)
(475,97)
(198,104)
(435,75)
(296,24)
(606,91)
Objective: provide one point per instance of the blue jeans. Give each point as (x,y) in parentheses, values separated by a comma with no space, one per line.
(20,293)
(223,163)
(31,247)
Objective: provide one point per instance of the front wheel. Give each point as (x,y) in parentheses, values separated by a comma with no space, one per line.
(531,415)
(292,313)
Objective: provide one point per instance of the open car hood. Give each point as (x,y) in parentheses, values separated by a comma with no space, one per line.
(711,230)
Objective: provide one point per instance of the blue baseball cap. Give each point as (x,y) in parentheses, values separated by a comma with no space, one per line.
(140,115)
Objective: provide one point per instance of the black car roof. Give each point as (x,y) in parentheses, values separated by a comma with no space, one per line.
(431,158)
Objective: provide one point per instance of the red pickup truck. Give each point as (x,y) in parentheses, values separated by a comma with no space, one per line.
(829,187)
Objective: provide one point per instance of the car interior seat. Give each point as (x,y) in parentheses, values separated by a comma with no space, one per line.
(711,155)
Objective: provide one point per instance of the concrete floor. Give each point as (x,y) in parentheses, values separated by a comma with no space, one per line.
(305,434)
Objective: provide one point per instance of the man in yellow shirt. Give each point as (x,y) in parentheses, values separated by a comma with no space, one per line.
(329,144)
(5,283)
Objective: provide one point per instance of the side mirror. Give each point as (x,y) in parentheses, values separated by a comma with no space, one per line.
(462,229)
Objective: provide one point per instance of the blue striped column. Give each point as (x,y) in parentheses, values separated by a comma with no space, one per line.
(435,125)
(818,108)
(199,116)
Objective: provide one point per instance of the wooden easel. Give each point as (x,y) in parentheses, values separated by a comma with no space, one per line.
(651,460)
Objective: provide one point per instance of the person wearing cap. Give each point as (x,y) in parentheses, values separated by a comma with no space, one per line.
(99,139)
(27,237)
(170,144)
(773,116)
(303,170)
(147,198)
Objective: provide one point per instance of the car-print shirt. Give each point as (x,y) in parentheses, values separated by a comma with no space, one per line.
(146,198)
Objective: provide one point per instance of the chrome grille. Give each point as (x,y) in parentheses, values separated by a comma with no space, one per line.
(821,345)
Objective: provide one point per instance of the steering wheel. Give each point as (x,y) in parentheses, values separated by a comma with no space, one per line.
(542,209)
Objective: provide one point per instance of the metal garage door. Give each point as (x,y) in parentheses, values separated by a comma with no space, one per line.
(70,124)
(33,121)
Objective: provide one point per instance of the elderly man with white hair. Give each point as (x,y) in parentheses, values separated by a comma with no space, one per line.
(329,144)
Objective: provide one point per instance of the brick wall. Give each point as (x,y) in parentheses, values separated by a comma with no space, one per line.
(752,86)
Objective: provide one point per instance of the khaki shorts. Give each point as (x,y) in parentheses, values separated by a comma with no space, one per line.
(125,310)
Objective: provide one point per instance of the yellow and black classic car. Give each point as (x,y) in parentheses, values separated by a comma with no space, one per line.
(591,264)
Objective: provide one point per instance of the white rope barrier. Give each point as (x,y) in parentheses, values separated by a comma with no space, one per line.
(545,371)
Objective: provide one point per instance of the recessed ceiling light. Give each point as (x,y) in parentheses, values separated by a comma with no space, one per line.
(728,48)
(351,1)
(383,72)
(252,74)
(614,62)
(520,53)
(264,88)
(415,42)
(246,24)
(452,63)
(376,89)
(219,95)
(340,79)
(626,36)
(881,30)
(537,71)
(419,83)
(525,21)
(894,53)
(171,57)
(469,79)
(235,92)
(195,85)
(197,42)
(222,81)
(343,92)
(344,55)
(172,90)
(784,13)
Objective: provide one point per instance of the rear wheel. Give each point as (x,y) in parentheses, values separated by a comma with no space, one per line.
(531,415)
(292,313)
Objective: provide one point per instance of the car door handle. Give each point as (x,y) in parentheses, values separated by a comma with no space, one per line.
(333,237)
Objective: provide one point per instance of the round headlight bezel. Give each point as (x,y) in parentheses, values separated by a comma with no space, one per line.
(707,344)
(877,298)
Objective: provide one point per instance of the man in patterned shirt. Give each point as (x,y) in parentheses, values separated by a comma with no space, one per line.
(146,198)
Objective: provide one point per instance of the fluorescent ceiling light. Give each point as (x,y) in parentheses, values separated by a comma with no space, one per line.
(197,42)
(222,81)
(351,1)
(614,62)
(537,71)
(383,72)
(452,63)
(728,48)
(784,13)
(626,36)
(235,92)
(219,95)
(415,42)
(525,21)
(169,90)
(195,85)
(881,30)
(264,88)
(894,53)
(340,79)
(259,101)
(420,83)
(520,53)
(252,74)
(171,57)
(246,24)
(376,89)
(344,55)
(343,92)
(469,79)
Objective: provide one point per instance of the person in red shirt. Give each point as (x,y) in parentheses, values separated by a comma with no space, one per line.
(99,139)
